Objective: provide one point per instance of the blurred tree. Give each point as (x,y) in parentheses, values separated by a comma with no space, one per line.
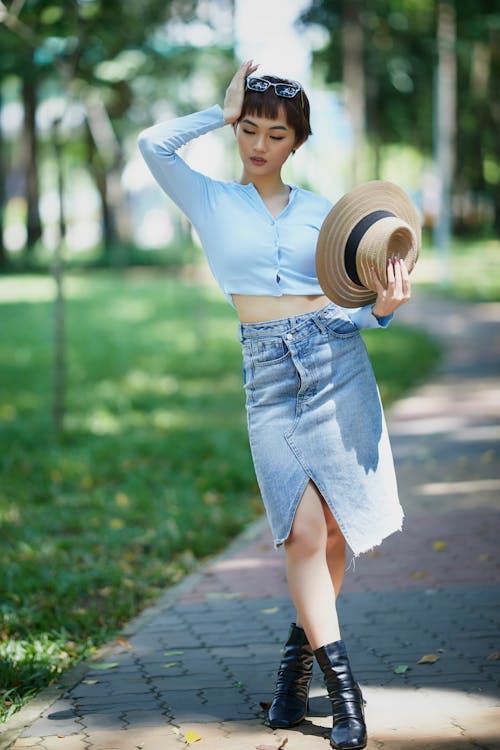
(399,62)
(3,191)
(477,172)
(94,51)
(90,51)
(397,45)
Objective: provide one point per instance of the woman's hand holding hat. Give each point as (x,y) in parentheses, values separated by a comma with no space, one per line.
(398,290)
(367,229)
(233,101)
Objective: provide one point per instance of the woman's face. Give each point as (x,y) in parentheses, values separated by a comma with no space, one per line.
(264,144)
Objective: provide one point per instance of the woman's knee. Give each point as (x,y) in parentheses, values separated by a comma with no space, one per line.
(309,531)
(334,533)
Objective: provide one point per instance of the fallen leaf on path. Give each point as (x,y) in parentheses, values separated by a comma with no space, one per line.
(428,659)
(439,546)
(273,747)
(104,665)
(173,653)
(401,669)
(374,553)
(419,574)
(484,558)
(495,656)
(171,664)
(222,595)
(91,682)
(270,611)
(191,737)
(122,642)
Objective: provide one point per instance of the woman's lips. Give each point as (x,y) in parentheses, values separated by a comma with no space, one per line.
(257,160)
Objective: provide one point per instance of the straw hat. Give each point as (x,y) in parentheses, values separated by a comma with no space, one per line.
(370,224)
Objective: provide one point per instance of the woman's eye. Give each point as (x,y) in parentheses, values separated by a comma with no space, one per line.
(249,132)
(276,138)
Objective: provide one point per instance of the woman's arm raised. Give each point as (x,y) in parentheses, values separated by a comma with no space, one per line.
(158,145)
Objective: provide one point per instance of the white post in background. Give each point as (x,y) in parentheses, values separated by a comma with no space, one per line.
(444,132)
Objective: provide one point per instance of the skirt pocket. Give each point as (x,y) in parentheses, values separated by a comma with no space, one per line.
(342,328)
(268,351)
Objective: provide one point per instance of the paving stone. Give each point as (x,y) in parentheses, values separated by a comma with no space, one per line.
(114,702)
(142,718)
(146,738)
(64,742)
(43,726)
(105,719)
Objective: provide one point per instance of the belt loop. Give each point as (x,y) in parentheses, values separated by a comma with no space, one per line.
(318,319)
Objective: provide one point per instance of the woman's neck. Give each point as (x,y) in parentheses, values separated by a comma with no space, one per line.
(268,187)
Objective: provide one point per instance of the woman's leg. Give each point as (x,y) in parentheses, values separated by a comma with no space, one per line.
(335,549)
(315,564)
(313,551)
(335,552)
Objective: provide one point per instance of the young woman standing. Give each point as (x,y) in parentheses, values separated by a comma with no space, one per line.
(316,428)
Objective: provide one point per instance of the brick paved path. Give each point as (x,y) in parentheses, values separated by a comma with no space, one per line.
(199,663)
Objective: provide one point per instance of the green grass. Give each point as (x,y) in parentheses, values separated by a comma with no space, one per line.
(153,472)
(471,272)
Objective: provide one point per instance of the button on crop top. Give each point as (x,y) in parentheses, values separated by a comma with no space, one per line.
(249,251)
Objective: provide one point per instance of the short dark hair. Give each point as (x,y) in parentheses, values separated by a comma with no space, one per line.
(267,104)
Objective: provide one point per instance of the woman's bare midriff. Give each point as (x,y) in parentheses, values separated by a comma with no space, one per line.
(258,308)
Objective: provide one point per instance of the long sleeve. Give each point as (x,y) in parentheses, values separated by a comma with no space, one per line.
(158,145)
(363,317)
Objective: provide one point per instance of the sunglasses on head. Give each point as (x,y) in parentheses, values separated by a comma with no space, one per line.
(287,90)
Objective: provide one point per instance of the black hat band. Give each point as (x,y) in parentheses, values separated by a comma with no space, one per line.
(355,237)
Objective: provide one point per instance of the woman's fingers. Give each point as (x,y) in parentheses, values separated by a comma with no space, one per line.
(235,92)
(251,68)
(391,274)
(397,290)
(405,280)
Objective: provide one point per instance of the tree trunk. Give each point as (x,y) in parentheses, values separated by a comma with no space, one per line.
(98,172)
(354,81)
(108,162)
(34,225)
(3,196)
(445,130)
(58,273)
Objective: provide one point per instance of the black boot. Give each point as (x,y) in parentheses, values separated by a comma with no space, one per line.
(349,728)
(290,701)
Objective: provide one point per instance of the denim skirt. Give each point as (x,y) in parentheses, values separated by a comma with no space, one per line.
(314,414)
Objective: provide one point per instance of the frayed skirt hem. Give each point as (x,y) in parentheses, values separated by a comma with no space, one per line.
(356,552)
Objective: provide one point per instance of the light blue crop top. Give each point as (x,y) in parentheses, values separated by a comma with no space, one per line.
(248,250)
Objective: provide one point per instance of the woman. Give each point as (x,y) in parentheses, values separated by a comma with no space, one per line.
(322,458)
